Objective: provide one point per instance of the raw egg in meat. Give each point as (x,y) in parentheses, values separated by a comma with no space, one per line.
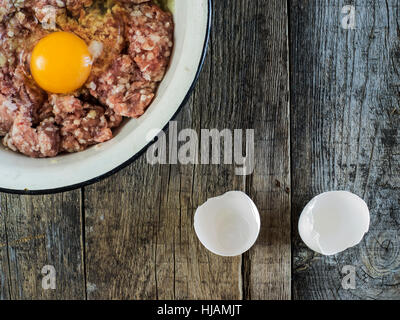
(61,62)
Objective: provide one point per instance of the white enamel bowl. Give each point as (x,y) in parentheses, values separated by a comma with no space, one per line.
(20,174)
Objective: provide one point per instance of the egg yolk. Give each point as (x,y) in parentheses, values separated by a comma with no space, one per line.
(61,62)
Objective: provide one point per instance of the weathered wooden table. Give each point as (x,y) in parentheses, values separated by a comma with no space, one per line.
(323,101)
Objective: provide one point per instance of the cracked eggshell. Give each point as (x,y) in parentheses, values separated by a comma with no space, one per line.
(333,222)
(228,225)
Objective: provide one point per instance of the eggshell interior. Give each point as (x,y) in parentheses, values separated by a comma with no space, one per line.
(333,222)
(228,225)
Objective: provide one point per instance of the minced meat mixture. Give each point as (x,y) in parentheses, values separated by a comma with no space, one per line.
(131,41)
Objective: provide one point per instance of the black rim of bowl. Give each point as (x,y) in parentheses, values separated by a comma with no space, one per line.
(141,152)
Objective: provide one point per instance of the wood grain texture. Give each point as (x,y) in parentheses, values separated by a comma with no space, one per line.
(139,228)
(345,136)
(5,286)
(268,265)
(40,231)
(140,238)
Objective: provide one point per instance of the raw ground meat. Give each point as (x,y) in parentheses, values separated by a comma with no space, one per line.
(81,125)
(131,43)
(41,8)
(77,6)
(132,1)
(6,8)
(150,35)
(123,89)
(40,142)
(8,112)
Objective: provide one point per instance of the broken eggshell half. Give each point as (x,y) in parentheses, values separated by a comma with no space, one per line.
(228,225)
(333,222)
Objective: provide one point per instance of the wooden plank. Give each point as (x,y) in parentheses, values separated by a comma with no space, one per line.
(140,238)
(120,228)
(40,231)
(139,228)
(267,268)
(345,135)
(4,265)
